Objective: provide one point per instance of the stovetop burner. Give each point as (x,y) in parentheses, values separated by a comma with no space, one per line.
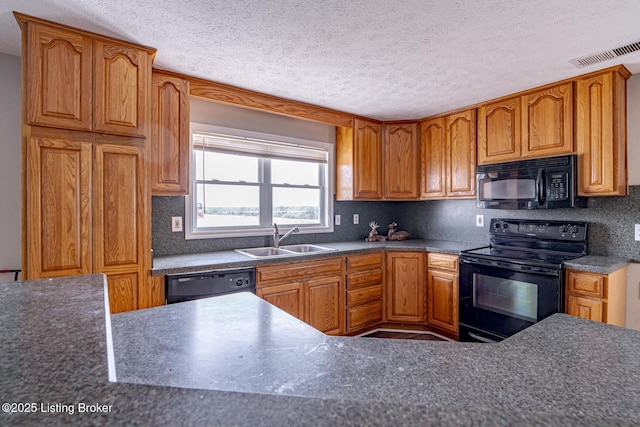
(533,242)
(536,257)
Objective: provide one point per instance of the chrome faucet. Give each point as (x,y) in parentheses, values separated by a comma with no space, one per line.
(276,235)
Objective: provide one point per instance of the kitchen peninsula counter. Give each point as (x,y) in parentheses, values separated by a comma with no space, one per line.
(236,360)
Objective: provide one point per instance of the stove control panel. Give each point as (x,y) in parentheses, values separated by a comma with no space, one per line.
(556,230)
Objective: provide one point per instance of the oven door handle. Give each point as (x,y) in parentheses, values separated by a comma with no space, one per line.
(482,339)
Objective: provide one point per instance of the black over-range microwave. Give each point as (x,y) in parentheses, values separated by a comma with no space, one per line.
(547,183)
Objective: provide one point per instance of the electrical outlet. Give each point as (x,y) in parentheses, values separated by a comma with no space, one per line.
(479,220)
(176,223)
(337,220)
(637,233)
(356,219)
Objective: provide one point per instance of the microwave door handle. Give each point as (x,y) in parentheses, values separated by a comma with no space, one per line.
(540,187)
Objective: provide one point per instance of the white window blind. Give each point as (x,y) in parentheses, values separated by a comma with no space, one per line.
(258,148)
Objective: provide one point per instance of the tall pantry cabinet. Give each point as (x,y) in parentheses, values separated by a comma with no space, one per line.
(86,187)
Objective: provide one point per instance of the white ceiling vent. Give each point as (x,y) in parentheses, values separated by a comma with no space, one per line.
(606,55)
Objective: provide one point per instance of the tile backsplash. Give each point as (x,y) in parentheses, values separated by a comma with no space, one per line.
(611,224)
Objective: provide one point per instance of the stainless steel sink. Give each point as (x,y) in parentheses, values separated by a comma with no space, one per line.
(268,252)
(306,248)
(289,250)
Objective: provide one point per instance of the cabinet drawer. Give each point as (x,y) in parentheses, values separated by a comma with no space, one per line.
(286,271)
(442,261)
(364,278)
(589,284)
(364,314)
(358,296)
(359,262)
(586,308)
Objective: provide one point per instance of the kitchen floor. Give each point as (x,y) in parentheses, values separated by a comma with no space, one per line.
(405,335)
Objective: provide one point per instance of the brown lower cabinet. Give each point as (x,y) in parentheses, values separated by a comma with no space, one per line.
(313,291)
(406,289)
(595,296)
(365,278)
(442,291)
(357,293)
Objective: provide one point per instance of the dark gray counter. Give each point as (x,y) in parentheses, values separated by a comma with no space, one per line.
(55,350)
(206,261)
(597,264)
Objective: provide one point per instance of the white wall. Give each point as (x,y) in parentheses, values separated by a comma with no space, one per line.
(633,152)
(10,198)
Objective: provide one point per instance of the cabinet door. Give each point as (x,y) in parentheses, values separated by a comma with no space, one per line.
(499,131)
(406,287)
(121,219)
(433,147)
(547,122)
(122,76)
(461,154)
(169,135)
(401,155)
(585,308)
(442,306)
(286,297)
(58,210)
(58,72)
(601,135)
(367,153)
(325,305)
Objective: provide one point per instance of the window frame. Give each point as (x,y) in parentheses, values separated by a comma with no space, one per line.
(326,226)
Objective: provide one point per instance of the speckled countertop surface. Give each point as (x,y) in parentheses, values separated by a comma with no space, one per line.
(230,259)
(561,371)
(597,264)
(206,261)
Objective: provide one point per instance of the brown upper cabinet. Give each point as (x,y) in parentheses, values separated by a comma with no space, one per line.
(401,154)
(601,136)
(81,81)
(535,124)
(448,156)
(499,131)
(547,122)
(169,135)
(359,161)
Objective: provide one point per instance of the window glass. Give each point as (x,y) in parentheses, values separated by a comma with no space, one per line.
(294,172)
(244,182)
(296,205)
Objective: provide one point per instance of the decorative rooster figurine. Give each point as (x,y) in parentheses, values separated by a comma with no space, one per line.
(373,234)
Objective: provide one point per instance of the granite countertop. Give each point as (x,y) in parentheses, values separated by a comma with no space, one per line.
(188,263)
(237,360)
(597,264)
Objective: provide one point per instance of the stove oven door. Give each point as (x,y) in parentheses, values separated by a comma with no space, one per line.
(499,299)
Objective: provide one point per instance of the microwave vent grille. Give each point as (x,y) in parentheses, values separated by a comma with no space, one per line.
(595,58)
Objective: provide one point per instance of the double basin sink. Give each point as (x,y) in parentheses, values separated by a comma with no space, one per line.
(282,251)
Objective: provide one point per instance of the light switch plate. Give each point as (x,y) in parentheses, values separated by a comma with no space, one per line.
(337,220)
(479,220)
(637,232)
(176,223)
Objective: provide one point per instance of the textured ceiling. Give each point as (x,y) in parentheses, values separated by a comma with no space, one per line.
(378,58)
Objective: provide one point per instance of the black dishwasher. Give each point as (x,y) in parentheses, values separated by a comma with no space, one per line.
(186,287)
